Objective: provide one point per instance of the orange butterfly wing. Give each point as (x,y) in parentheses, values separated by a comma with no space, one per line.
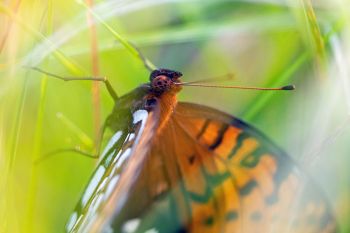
(210,172)
(242,182)
(206,171)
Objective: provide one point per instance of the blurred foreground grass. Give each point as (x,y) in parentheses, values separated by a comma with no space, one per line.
(264,43)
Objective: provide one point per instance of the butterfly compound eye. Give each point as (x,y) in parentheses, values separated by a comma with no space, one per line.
(163,79)
(161,83)
(173,75)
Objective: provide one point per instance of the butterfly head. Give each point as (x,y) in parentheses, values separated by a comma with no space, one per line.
(163,80)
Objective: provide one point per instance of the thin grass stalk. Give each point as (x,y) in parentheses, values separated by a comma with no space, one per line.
(9,157)
(122,40)
(35,155)
(8,26)
(259,102)
(318,41)
(30,215)
(14,141)
(65,61)
(96,102)
(262,99)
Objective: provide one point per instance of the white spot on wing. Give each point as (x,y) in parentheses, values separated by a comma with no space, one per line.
(96,202)
(93,184)
(71,222)
(140,115)
(131,136)
(111,186)
(117,157)
(101,186)
(107,229)
(131,225)
(114,139)
(152,230)
(123,157)
(80,219)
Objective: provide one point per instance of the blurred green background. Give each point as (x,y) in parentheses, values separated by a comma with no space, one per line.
(265,43)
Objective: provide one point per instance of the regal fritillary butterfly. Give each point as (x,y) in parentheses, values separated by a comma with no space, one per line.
(182,167)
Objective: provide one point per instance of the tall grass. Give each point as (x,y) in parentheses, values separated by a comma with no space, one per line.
(265,43)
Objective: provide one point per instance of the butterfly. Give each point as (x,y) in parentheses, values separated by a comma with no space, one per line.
(182,167)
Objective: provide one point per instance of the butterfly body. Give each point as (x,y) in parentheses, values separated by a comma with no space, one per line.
(182,167)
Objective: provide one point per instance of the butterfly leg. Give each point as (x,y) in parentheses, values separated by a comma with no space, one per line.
(101,133)
(77,149)
(64,150)
(109,87)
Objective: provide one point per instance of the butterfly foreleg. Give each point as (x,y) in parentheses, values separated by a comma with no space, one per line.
(109,87)
(96,153)
(76,149)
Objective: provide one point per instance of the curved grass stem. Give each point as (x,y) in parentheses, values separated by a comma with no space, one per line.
(130,47)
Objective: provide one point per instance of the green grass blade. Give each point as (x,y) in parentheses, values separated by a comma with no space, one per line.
(132,49)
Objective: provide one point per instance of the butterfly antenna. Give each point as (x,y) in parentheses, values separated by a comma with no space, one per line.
(225,77)
(284,88)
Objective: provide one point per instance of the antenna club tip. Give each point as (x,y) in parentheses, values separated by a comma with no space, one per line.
(288,88)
